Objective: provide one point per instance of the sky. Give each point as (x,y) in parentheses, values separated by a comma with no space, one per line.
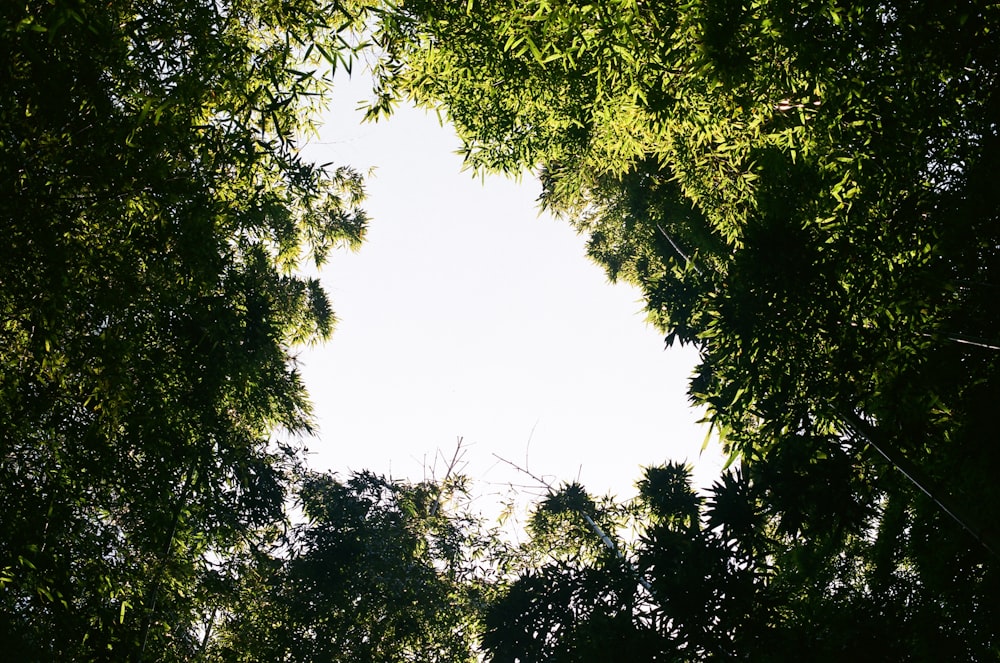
(468,314)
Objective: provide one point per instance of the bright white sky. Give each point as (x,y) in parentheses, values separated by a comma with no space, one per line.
(467,314)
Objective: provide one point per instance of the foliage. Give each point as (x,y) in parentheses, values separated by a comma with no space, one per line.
(794,170)
(802,189)
(154,208)
(722,576)
(378,572)
(782,178)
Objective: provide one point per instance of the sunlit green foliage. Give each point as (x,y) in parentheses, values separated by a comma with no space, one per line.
(781,178)
(803,190)
(378,572)
(154,208)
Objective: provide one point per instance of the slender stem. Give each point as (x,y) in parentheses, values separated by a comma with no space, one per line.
(158,576)
(618,553)
(972,340)
(647,585)
(917,477)
(678,249)
(208,633)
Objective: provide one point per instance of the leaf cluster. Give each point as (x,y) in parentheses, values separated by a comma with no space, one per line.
(154,208)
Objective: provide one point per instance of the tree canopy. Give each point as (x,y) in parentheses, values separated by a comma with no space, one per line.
(724,575)
(801,188)
(802,191)
(753,166)
(154,207)
(379,571)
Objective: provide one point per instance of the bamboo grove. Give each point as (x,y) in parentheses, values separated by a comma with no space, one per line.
(802,189)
